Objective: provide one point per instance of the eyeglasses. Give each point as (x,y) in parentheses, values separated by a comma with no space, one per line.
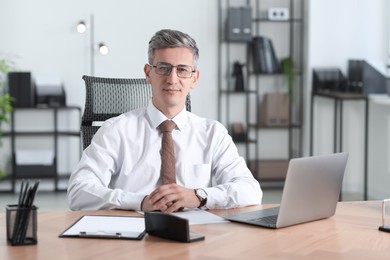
(165,69)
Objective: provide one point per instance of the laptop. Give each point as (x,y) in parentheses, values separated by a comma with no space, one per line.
(311,192)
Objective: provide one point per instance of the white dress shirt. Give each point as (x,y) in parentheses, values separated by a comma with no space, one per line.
(122,164)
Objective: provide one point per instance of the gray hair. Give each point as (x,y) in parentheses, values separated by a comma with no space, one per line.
(171,39)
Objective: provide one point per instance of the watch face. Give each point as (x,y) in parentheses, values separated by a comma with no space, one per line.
(201,193)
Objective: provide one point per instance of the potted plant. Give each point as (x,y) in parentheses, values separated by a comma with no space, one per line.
(288,70)
(5,100)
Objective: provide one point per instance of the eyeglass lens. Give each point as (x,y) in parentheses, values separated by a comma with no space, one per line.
(182,71)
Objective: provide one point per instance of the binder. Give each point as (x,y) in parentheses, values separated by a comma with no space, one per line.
(264,56)
(111,227)
(274,110)
(355,76)
(239,24)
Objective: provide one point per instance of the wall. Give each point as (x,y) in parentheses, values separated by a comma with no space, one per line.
(379,148)
(42,37)
(338,31)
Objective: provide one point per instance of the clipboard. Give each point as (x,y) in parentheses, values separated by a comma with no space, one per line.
(111,227)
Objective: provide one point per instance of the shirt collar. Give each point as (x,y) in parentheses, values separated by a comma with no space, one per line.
(156,117)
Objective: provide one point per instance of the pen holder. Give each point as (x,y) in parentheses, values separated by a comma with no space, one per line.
(21,225)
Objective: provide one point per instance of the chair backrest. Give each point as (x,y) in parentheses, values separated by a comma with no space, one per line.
(110,97)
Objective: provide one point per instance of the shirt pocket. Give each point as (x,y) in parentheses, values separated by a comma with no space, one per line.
(197,175)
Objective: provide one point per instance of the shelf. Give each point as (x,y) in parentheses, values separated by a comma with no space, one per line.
(48,108)
(380,99)
(34,171)
(286,37)
(41,133)
(244,142)
(252,73)
(40,171)
(288,21)
(287,127)
(340,95)
(63,176)
(233,92)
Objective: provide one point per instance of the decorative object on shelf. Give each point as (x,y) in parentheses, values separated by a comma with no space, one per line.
(238,74)
(239,133)
(288,71)
(355,75)
(272,169)
(363,78)
(274,110)
(264,56)
(49,91)
(375,79)
(5,98)
(328,79)
(239,24)
(21,89)
(278,14)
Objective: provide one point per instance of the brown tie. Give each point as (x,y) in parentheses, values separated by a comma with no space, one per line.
(167,153)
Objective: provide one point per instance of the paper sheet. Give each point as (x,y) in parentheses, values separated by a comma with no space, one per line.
(107,225)
(197,216)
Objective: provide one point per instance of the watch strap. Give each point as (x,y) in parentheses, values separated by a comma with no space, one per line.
(202,200)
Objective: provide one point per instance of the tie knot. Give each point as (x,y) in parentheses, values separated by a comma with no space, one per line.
(167,126)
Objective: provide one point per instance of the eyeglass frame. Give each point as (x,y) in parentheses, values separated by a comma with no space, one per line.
(171,67)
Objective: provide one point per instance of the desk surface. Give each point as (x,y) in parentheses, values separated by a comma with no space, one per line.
(351,234)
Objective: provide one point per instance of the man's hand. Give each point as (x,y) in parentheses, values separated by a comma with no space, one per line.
(169,198)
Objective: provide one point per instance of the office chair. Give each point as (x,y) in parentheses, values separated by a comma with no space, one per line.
(110,97)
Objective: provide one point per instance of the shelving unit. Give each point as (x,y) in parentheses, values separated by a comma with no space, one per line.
(267,148)
(43,170)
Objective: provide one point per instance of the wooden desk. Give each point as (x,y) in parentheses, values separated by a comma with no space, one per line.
(351,234)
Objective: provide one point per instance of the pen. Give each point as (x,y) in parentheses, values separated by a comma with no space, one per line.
(25,204)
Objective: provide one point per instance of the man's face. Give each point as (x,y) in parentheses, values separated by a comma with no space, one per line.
(170,91)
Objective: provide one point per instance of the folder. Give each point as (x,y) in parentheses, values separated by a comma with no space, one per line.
(114,227)
(264,56)
(274,110)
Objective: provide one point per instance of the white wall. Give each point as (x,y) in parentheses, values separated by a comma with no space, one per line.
(379,148)
(338,31)
(42,36)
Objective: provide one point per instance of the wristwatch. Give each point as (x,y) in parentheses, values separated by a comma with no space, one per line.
(202,196)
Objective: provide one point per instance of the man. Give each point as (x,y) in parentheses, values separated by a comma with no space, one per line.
(121,168)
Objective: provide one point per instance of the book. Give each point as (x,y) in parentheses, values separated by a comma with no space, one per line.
(264,56)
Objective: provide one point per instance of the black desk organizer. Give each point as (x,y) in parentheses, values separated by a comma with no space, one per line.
(21,225)
(169,226)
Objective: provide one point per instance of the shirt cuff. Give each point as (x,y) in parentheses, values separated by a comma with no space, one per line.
(132,201)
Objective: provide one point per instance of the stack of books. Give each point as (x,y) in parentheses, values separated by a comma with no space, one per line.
(264,57)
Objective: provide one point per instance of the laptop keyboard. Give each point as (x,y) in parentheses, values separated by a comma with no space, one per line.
(267,220)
